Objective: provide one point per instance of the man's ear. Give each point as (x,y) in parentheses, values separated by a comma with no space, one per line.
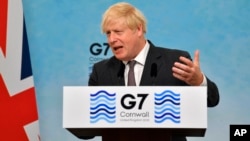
(140,30)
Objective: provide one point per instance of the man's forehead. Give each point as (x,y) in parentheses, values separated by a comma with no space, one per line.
(116,21)
(115,24)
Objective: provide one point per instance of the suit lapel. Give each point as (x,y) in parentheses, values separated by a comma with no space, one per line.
(153,57)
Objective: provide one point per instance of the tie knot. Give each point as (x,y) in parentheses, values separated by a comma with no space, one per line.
(131,63)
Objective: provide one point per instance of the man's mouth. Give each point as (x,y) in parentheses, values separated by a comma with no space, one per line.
(116,48)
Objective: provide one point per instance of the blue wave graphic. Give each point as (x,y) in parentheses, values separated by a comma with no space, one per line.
(167,92)
(167,114)
(102,118)
(103,101)
(167,100)
(102,107)
(102,110)
(167,107)
(102,115)
(165,96)
(102,97)
(102,92)
(166,110)
(167,118)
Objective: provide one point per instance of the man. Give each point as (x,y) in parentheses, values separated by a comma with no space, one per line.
(125,28)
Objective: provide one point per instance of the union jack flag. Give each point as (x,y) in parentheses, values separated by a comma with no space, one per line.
(18,109)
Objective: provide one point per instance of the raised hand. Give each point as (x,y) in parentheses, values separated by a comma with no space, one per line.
(189,71)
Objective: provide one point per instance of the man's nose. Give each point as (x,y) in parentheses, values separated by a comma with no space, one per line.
(112,37)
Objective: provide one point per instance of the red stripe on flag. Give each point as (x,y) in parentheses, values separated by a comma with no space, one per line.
(3,24)
(15,112)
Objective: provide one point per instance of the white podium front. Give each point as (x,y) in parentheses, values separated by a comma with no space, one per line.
(120,111)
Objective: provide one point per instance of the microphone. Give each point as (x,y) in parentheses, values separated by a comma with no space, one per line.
(120,74)
(86,137)
(153,72)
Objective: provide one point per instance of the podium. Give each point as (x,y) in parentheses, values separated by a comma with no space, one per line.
(146,113)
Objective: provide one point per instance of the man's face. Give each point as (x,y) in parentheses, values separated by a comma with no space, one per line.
(123,41)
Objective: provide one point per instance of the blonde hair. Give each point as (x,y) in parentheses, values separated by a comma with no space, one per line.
(133,17)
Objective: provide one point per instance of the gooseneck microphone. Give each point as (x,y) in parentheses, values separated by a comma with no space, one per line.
(153,72)
(120,74)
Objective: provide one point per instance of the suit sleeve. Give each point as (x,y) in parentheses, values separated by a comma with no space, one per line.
(93,77)
(213,94)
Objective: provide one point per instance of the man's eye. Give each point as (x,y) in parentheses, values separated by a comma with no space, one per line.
(107,33)
(118,32)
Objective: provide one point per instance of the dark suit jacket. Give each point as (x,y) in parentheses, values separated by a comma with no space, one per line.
(110,73)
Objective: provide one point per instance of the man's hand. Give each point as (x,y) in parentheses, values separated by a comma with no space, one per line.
(188,71)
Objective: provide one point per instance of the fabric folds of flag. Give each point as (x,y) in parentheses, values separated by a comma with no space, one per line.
(18,107)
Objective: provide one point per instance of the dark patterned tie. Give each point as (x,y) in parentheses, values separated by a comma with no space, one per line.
(131,74)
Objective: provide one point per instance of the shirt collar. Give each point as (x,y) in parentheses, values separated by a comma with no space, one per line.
(141,57)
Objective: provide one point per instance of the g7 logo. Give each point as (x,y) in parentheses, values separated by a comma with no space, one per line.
(132,101)
(97,49)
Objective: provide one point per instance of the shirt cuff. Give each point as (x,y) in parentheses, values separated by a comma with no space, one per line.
(204,82)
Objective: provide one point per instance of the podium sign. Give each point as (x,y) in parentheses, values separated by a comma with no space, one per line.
(93,108)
